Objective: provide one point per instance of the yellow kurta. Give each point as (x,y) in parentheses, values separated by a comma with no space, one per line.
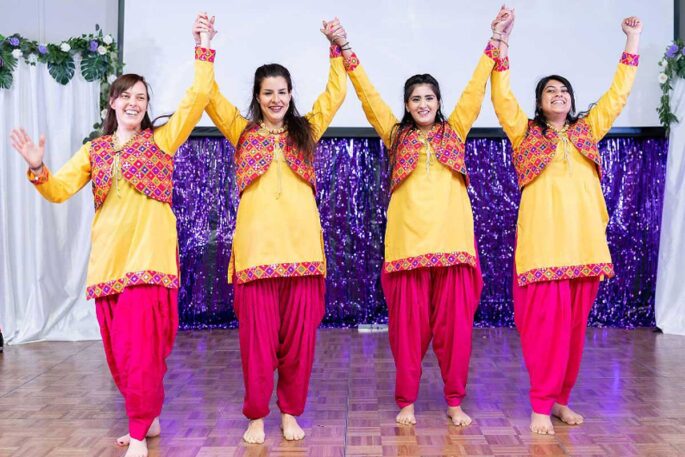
(278,231)
(561,229)
(430,220)
(133,236)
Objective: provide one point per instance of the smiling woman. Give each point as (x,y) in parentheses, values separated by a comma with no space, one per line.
(561,251)
(277,264)
(133,267)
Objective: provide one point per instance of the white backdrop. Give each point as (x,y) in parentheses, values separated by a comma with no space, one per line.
(670,284)
(394,39)
(44,247)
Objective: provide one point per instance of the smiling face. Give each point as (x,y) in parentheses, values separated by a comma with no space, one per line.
(555,100)
(274,100)
(423,105)
(130,106)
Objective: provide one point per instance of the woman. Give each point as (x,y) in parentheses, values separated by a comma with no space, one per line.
(133,268)
(277,265)
(431,276)
(561,251)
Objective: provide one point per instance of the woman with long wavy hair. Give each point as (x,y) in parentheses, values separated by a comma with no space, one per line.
(277,262)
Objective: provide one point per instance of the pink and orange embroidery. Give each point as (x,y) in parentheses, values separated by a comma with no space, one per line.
(445,259)
(204,54)
(569,272)
(281,270)
(143,165)
(630,59)
(136,278)
(449,150)
(536,151)
(255,152)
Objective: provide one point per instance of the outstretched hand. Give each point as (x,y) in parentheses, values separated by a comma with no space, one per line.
(31,152)
(334,31)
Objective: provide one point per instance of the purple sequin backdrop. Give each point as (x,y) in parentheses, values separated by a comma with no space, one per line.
(353,196)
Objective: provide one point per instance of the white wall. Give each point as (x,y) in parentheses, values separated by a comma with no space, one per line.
(53,21)
(580,39)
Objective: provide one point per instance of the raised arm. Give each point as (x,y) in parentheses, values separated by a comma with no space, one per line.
(176,131)
(328,103)
(377,112)
(602,115)
(468,107)
(62,185)
(511,117)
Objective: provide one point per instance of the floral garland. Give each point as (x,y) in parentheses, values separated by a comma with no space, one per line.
(672,65)
(99,61)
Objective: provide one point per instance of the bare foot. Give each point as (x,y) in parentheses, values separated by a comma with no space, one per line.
(541,424)
(154,430)
(566,414)
(255,432)
(136,448)
(458,416)
(291,429)
(406,416)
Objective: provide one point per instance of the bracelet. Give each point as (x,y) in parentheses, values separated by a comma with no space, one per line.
(36,171)
(499,40)
(348,48)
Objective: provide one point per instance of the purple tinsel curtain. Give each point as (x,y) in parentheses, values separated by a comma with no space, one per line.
(352,180)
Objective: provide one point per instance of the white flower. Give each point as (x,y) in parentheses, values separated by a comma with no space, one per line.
(662,78)
(16,53)
(65,47)
(107,39)
(103,113)
(102,50)
(111,79)
(32,58)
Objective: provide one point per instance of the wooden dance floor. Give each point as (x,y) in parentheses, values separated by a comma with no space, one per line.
(57,399)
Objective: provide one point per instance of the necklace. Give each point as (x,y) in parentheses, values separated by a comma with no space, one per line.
(565,143)
(277,131)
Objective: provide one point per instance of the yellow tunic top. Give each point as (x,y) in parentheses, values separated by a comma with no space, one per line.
(561,228)
(278,231)
(133,237)
(430,221)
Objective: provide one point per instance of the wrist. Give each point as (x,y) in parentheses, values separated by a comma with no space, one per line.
(37,169)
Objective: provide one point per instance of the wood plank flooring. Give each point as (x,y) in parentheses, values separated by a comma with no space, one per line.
(58,400)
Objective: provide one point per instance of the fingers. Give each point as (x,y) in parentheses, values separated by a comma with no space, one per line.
(41,141)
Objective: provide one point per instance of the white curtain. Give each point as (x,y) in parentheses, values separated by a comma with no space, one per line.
(44,246)
(670,283)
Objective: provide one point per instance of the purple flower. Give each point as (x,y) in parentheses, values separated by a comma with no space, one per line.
(42,49)
(93,46)
(672,51)
(14,41)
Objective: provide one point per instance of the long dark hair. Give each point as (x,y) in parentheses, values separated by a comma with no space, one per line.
(571,117)
(299,130)
(407,123)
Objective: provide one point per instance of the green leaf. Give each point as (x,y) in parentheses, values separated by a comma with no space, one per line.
(5,79)
(93,66)
(62,71)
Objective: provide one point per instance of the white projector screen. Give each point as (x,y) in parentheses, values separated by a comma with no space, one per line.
(394,39)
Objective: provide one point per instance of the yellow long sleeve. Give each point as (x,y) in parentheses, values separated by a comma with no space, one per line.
(170,136)
(225,116)
(377,112)
(511,117)
(602,115)
(468,107)
(68,180)
(328,103)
